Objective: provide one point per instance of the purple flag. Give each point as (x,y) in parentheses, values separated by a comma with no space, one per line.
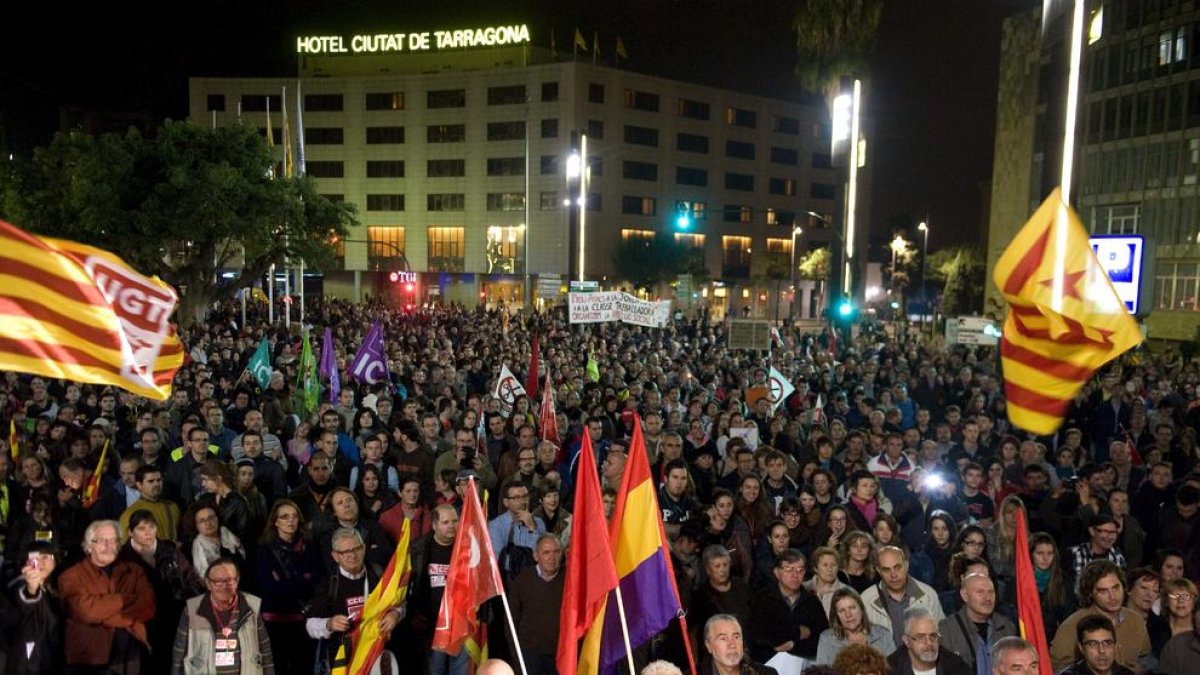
(370,363)
(329,366)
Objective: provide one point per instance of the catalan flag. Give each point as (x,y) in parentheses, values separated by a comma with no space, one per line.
(1029,604)
(91,488)
(80,313)
(643,564)
(388,594)
(14,441)
(1065,319)
(590,571)
(289,166)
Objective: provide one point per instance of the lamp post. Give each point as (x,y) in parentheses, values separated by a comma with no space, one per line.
(577,168)
(796,231)
(898,245)
(923,227)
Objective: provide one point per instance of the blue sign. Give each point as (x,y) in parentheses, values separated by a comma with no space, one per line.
(1121,256)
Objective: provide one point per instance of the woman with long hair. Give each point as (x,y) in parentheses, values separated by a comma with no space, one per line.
(550,509)
(848,625)
(767,553)
(1058,600)
(836,525)
(886,530)
(857,557)
(373,496)
(218,483)
(1002,543)
(930,562)
(289,568)
(751,507)
(824,483)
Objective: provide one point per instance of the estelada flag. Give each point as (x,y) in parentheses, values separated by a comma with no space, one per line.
(75,312)
(1029,604)
(591,573)
(474,578)
(91,488)
(1065,319)
(388,594)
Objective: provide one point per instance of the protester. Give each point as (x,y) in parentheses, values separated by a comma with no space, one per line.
(223,629)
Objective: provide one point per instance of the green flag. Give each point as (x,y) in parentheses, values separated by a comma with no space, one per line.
(308,382)
(260,364)
(593,368)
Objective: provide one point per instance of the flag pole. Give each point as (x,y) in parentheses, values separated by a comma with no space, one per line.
(1068,158)
(512,629)
(625,629)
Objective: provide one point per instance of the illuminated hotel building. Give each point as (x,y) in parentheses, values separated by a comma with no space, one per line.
(1137,142)
(435,147)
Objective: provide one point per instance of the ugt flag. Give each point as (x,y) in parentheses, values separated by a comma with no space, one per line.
(370,363)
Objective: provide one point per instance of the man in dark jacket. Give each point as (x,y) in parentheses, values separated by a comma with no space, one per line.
(921,650)
(726,654)
(1096,640)
(787,617)
(535,596)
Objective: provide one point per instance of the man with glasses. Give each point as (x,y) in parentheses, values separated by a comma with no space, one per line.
(1102,592)
(339,601)
(788,617)
(1097,648)
(1101,545)
(516,527)
(921,652)
(222,631)
(182,480)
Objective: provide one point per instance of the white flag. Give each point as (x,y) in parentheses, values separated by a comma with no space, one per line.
(508,388)
(779,389)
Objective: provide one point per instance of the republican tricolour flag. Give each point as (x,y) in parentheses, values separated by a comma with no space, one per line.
(643,564)
(473,579)
(71,311)
(370,362)
(1029,604)
(591,574)
(388,594)
(1065,319)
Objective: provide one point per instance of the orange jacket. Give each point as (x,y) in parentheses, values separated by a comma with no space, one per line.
(96,604)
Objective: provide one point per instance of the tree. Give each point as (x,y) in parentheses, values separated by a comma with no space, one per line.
(814,266)
(184,205)
(960,272)
(833,38)
(647,262)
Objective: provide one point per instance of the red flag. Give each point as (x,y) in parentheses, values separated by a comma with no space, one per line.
(1029,604)
(474,578)
(531,379)
(546,419)
(91,489)
(591,573)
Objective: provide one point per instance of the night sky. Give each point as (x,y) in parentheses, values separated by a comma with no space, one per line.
(935,69)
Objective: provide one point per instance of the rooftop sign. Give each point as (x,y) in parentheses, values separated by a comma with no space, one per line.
(395,43)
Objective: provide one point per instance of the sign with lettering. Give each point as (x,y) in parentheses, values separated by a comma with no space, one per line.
(1123,256)
(750,334)
(618,306)
(395,43)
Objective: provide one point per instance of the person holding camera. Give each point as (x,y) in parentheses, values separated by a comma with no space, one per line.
(466,457)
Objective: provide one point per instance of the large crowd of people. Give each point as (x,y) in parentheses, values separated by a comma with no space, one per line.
(865,524)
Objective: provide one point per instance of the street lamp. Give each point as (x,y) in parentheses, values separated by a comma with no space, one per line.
(796,231)
(898,246)
(577,168)
(924,229)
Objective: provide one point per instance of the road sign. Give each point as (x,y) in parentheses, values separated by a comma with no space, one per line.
(972,330)
(1123,257)
(749,334)
(585,286)
(548,285)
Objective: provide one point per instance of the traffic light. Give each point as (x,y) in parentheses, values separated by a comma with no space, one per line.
(846,310)
(683,215)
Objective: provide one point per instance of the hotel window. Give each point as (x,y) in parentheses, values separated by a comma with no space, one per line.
(445,247)
(786,125)
(446,133)
(505,250)
(739,181)
(550,128)
(385,202)
(322,102)
(639,170)
(639,206)
(739,150)
(822,160)
(506,131)
(446,98)
(822,191)
(699,211)
(1177,286)
(445,202)
(385,100)
(259,102)
(735,256)
(323,135)
(385,135)
(696,110)
(741,118)
(779,253)
(506,201)
(641,135)
(785,156)
(734,213)
(325,169)
(782,186)
(216,102)
(1117,219)
(595,93)
(549,92)
(549,201)
(506,166)
(506,95)
(645,236)
(445,168)
(385,168)
(550,164)
(772,217)
(595,130)
(385,245)
(593,201)
(691,143)
(685,175)
(641,100)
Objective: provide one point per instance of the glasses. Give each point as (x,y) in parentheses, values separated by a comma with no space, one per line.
(523,495)
(924,637)
(1099,644)
(207,519)
(349,551)
(793,569)
(1185,597)
(228,581)
(791,514)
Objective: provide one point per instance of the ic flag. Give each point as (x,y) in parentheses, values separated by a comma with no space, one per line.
(389,593)
(1029,604)
(643,562)
(531,378)
(80,313)
(260,364)
(590,571)
(329,364)
(91,488)
(309,383)
(547,420)
(1065,319)
(474,578)
(370,362)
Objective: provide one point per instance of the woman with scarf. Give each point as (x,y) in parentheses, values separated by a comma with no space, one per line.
(289,567)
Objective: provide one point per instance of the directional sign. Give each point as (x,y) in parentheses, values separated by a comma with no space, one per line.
(972,330)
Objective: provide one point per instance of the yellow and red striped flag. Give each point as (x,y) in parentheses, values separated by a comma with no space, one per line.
(91,487)
(14,441)
(388,594)
(1065,319)
(76,312)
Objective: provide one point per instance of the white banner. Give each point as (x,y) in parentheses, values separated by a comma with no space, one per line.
(780,389)
(508,388)
(618,306)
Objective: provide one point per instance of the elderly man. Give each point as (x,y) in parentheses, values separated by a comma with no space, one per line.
(535,597)
(921,652)
(976,627)
(897,592)
(1102,591)
(222,630)
(726,651)
(107,603)
(1015,656)
(787,617)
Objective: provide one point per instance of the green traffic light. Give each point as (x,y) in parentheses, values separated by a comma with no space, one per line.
(683,222)
(845,308)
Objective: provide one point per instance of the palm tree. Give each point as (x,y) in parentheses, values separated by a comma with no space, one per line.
(833,38)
